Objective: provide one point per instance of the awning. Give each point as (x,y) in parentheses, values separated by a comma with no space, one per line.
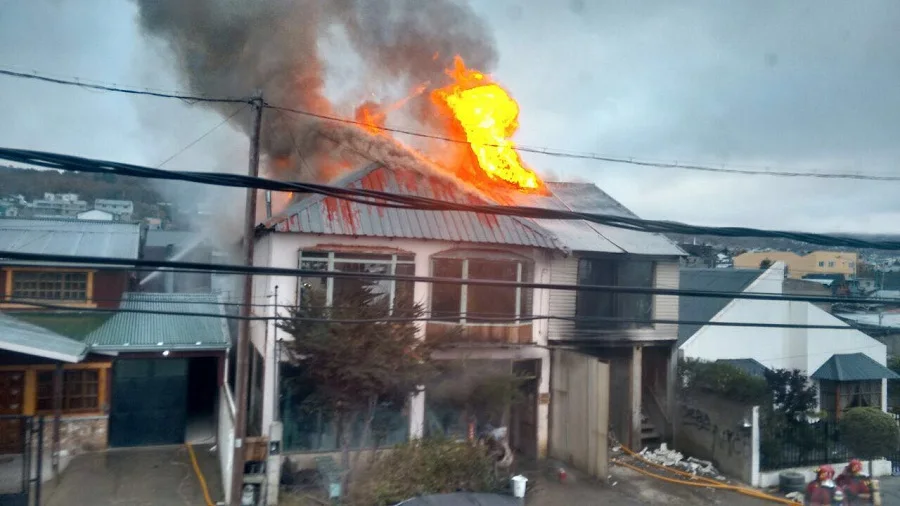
(853,367)
(22,337)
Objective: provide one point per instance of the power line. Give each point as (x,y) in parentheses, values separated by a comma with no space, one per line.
(118,89)
(417,319)
(284,271)
(558,153)
(386,199)
(198,139)
(546,151)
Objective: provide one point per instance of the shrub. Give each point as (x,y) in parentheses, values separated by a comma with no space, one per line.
(722,379)
(869,432)
(427,466)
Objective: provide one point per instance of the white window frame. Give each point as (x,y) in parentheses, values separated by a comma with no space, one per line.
(332,260)
(464,291)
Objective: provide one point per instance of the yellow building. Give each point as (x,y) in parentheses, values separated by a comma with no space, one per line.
(816,262)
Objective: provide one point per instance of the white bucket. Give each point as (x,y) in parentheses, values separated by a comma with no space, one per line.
(518,485)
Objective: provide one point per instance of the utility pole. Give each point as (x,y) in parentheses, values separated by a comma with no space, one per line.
(243,341)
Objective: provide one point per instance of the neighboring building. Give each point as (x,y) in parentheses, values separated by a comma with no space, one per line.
(848,365)
(122,210)
(793,286)
(182,246)
(95,215)
(816,262)
(57,205)
(8,210)
(162,387)
(323,233)
(153,223)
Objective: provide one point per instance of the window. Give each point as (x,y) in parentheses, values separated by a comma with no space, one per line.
(50,285)
(822,264)
(480,303)
(395,294)
(831,263)
(80,391)
(637,307)
(850,394)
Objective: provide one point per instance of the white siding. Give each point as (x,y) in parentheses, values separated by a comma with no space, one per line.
(564,270)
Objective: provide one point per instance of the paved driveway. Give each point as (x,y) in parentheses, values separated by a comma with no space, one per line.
(136,477)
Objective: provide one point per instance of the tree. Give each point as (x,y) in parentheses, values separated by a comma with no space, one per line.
(793,396)
(869,433)
(356,357)
(765,264)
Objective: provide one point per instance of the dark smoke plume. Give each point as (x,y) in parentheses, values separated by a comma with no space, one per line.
(233,47)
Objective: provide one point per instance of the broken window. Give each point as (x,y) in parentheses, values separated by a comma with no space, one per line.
(605,310)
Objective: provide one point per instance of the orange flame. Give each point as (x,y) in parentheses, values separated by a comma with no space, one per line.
(489,117)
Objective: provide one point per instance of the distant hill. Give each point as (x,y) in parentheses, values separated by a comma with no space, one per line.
(34,183)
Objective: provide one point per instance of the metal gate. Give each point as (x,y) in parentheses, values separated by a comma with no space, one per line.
(20,460)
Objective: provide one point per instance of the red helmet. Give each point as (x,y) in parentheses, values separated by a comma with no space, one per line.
(855,466)
(825,472)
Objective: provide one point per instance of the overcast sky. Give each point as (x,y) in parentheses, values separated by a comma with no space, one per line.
(802,85)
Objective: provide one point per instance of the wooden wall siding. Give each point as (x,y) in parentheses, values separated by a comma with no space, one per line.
(109,287)
(564,270)
(473,333)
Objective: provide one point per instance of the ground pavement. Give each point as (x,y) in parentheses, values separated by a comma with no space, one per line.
(135,477)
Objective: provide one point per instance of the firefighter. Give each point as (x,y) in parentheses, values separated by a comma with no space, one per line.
(823,491)
(855,483)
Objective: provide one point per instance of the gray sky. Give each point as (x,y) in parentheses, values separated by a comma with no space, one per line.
(804,85)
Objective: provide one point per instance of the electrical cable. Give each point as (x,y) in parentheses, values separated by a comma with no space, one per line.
(293,272)
(523,148)
(557,153)
(118,89)
(386,199)
(414,319)
(198,139)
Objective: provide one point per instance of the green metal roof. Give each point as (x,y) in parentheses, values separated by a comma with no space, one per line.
(141,332)
(73,325)
(853,367)
(22,337)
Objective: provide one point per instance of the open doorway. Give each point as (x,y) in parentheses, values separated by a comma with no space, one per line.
(203,380)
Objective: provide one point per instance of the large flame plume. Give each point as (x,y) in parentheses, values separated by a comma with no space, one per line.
(488,116)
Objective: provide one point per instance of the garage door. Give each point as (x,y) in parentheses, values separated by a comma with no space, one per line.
(149,402)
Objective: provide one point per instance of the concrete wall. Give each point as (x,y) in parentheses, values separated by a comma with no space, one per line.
(78,434)
(712,428)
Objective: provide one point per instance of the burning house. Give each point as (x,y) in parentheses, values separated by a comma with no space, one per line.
(462,152)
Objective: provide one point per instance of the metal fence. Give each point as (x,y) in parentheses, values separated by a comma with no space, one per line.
(21,458)
(801,445)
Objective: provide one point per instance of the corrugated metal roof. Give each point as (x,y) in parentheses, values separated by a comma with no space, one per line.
(318,214)
(158,332)
(853,367)
(588,198)
(750,366)
(23,337)
(71,237)
(704,309)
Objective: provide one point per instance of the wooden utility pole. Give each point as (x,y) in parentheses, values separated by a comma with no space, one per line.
(243,338)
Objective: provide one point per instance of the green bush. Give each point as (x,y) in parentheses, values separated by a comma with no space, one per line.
(722,379)
(427,466)
(869,432)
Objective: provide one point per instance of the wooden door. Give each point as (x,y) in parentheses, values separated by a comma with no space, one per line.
(12,400)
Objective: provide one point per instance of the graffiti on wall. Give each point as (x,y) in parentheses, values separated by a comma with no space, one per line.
(720,435)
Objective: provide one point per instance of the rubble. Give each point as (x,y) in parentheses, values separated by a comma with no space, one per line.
(675,459)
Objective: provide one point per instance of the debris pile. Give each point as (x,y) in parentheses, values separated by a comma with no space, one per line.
(675,459)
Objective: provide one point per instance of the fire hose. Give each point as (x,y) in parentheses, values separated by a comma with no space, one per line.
(697,481)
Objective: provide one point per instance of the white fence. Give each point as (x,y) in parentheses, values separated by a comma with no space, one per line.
(225,440)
